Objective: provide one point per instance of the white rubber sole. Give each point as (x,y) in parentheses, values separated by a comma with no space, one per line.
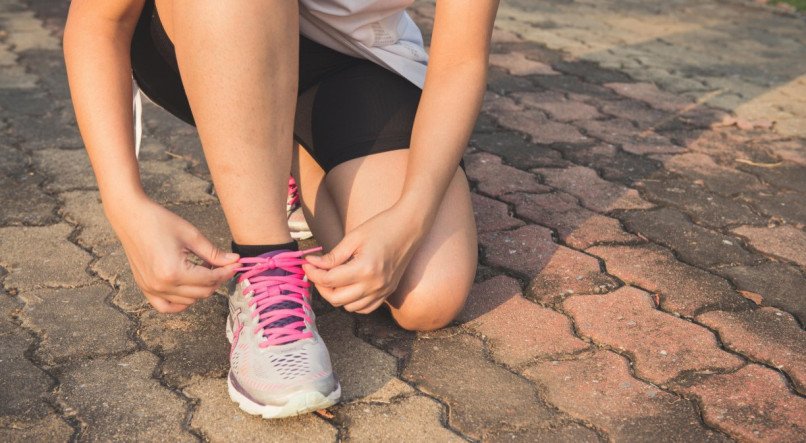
(300,403)
(301,235)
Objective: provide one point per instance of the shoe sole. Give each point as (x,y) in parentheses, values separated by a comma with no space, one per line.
(298,404)
(301,235)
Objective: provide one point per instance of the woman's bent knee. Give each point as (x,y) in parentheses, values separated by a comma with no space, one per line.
(428,310)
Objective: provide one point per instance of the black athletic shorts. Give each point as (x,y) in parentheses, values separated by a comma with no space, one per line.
(347,107)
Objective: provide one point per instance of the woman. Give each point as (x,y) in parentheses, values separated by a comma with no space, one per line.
(335,91)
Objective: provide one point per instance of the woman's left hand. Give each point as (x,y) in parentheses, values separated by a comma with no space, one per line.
(367,265)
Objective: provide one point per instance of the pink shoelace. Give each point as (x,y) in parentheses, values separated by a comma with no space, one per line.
(293,193)
(272,294)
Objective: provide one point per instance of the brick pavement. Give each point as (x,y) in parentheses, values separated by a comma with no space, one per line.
(639,172)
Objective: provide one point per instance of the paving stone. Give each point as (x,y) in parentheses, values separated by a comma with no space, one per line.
(558,108)
(62,315)
(516,329)
(790,150)
(595,193)
(683,289)
(591,72)
(765,334)
(416,418)
(496,179)
(220,420)
(191,342)
(598,388)
(554,271)
(779,285)
(455,371)
(516,63)
(49,131)
(751,404)
(501,82)
(650,94)
(84,209)
(567,433)
(366,373)
(68,169)
(786,206)
(568,84)
(578,227)
(662,346)
(21,255)
(492,215)
(24,386)
(703,206)
(629,137)
(517,151)
(782,241)
(718,178)
(693,244)
(37,208)
(539,128)
(612,163)
(114,268)
(118,399)
(495,104)
(380,330)
(787,176)
(636,112)
(49,428)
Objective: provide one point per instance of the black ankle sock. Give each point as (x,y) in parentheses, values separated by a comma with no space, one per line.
(255,250)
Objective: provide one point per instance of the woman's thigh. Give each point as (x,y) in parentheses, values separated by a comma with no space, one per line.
(438,278)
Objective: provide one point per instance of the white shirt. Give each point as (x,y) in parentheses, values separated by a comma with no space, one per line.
(378,30)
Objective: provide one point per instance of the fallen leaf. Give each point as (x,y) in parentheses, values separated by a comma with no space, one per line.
(324,413)
(752,296)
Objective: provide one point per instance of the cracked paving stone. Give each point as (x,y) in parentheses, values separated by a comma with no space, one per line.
(119,400)
(220,420)
(778,284)
(578,227)
(663,346)
(751,404)
(191,342)
(554,270)
(636,112)
(492,215)
(786,206)
(46,132)
(496,179)
(540,129)
(503,83)
(25,388)
(114,268)
(784,241)
(787,176)
(365,372)
(517,151)
(764,334)
(68,169)
(569,84)
(85,210)
(594,192)
(597,387)
(560,109)
(683,289)
(415,418)
(720,179)
(703,206)
(516,329)
(565,433)
(61,315)
(630,138)
(495,104)
(590,71)
(694,244)
(380,330)
(613,164)
(46,429)
(36,208)
(455,371)
(650,94)
(21,255)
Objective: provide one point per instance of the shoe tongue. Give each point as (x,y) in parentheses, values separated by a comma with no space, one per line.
(282,305)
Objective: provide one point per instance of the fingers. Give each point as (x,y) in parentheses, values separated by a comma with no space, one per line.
(206,277)
(340,254)
(343,275)
(365,309)
(164,306)
(201,246)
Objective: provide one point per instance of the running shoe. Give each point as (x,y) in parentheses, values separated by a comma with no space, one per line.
(296,218)
(279,365)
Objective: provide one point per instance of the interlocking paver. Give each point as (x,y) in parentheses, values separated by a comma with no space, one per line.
(599,389)
(517,63)
(25,387)
(693,244)
(781,285)
(540,129)
(220,420)
(496,179)
(764,334)
(37,208)
(594,192)
(516,329)
(21,256)
(492,215)
(663,346)
(612,163)
(415,418)
(118,399)
(752,404)
(683,289)
(455,371)
(49,428)
(720,179)
(557,106)
(785,241)
(631,138)
(517,151)
(62,315)
(554,270)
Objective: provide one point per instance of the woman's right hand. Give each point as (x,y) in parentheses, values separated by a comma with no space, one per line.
(158,244)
